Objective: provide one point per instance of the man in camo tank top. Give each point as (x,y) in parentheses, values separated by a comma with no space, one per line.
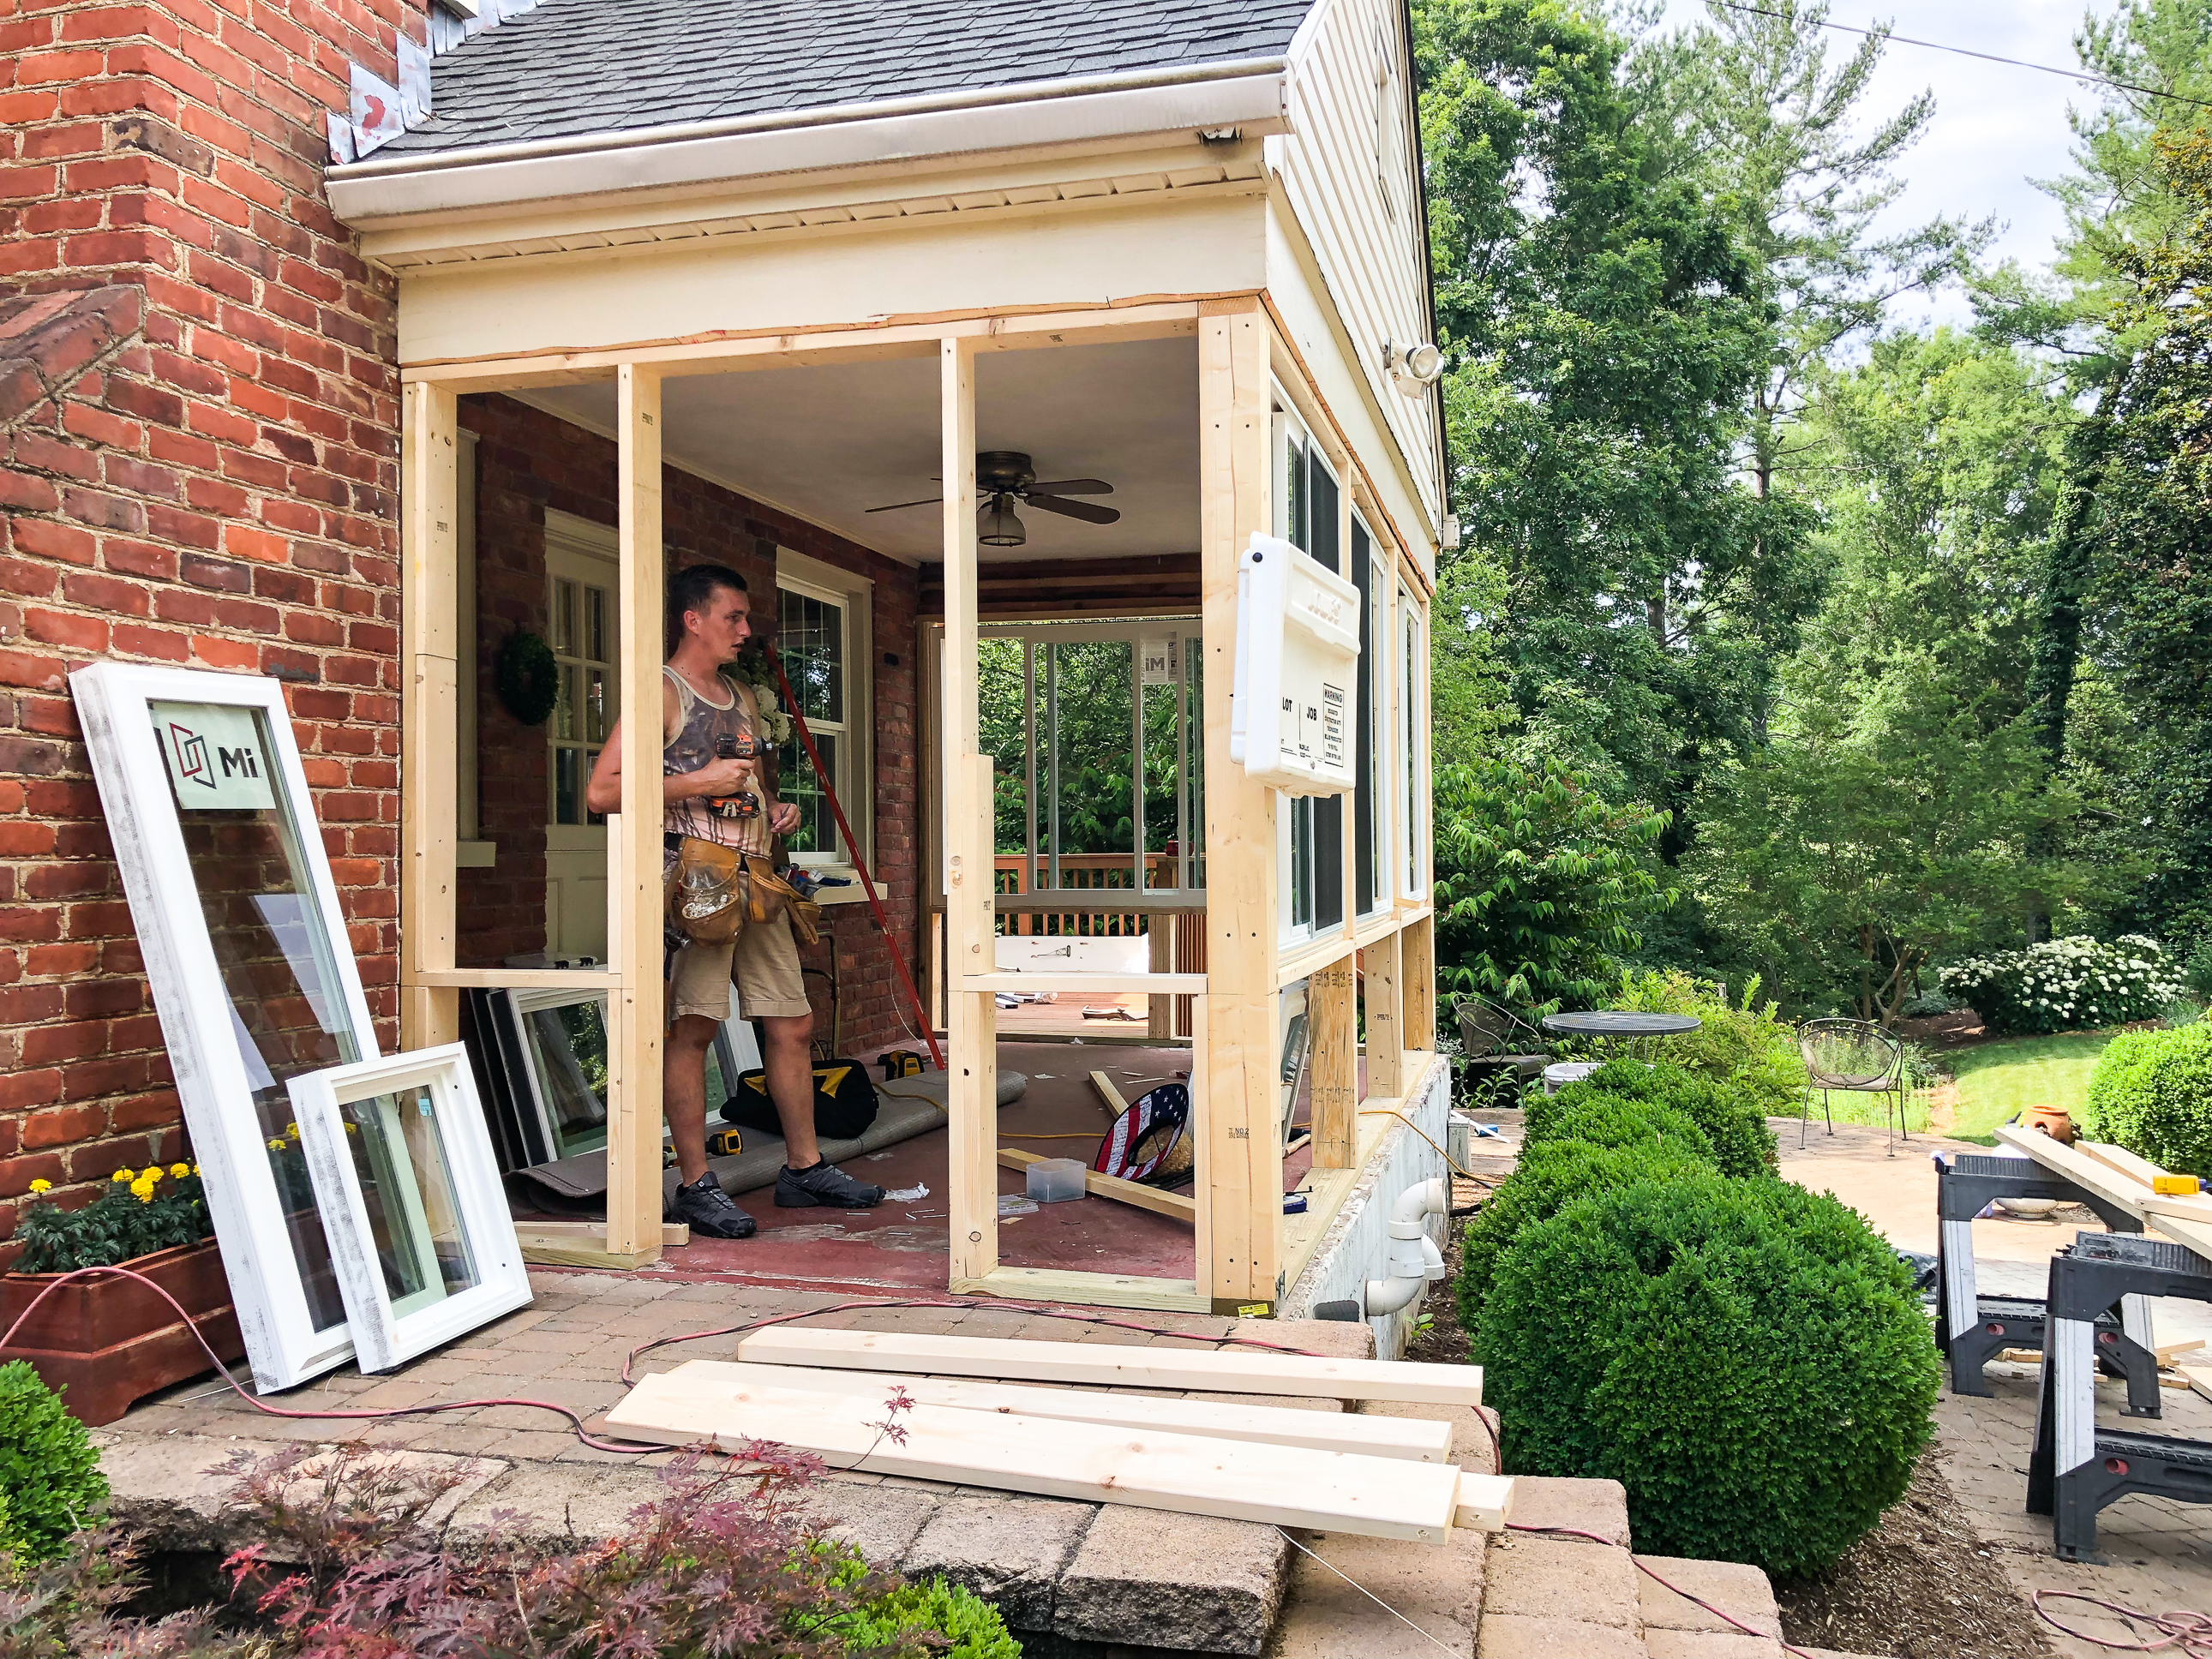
(700,708)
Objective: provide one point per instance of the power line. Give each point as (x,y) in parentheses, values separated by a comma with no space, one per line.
(1968,51)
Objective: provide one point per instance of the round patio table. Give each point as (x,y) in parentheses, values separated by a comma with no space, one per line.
(1620,1025)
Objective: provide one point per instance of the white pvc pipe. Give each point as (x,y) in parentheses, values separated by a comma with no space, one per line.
(1415,1261)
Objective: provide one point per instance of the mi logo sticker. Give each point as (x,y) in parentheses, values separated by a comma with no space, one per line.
(215,755)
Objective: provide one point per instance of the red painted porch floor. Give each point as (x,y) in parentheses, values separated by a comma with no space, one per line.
(904,1246)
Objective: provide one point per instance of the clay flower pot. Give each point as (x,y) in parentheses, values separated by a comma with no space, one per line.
(111,1341)
(2051,1120)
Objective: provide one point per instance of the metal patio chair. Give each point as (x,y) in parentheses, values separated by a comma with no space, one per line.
(1489,1032)
(1850,1056)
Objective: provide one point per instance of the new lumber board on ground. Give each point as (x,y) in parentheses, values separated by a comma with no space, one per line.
(1414,1439)
(584,1243)
(1109,1095)
(1310,1376)
(1192,1475)
(1178,1205)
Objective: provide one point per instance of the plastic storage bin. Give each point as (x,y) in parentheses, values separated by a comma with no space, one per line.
(1055,1180)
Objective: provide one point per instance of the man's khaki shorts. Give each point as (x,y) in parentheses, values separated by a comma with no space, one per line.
(763,961)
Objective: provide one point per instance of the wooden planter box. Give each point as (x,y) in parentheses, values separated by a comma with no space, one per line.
(111,1341)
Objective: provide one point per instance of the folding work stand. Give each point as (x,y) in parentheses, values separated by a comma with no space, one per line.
(2075,1469)
(1971,1330)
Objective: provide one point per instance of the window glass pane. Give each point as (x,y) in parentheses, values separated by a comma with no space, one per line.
(817,829)
(564,616)
(595,623)
(1362,805)
(279,967)
(568,1052)
(1323,541)
(1089,714)
(564,707)
(413,1208)
(1194,661)
(1302,852)
(1328,861)
(568,793)
(1002,727)
(811,637)
(595,705)
(1410,739)
(1295,505)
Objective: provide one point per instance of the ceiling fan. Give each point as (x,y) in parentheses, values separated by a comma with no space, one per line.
(1003,476)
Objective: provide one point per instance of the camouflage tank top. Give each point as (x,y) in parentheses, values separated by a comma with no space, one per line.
(700,727)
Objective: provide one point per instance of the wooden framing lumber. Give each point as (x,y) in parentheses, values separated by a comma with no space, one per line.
(1191,1475)
(1105,1186)
(971,1024)
(1235,1041)
(1109,1095)
(1208,1371)
(1331,1008)
(584,1243)
(1417,987)
(429,599)
(634,882)
(1386,1056)
(1416,1440)
(2096,1173)
(1089,1290)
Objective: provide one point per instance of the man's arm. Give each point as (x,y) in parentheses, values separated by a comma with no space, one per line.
(603,793)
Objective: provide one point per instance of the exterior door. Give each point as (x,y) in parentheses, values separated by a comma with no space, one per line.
(583,593)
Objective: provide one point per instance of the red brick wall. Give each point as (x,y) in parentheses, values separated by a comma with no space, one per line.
(199,414)
(528,461)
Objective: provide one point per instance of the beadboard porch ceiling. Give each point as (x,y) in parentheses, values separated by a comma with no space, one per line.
(828,441)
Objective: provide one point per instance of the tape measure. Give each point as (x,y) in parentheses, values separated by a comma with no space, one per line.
(725,1143)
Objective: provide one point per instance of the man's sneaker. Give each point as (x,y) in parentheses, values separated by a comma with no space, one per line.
(824,1184)
(709,1210)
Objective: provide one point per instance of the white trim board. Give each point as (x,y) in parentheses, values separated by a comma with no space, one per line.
(1209,1371)
(1415,1439)
(1191,1475)
(216,1072)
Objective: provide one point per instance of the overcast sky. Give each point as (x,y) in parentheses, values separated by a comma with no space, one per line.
(1995,128)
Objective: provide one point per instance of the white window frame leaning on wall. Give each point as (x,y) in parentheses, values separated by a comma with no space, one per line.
(383,1338)
(855,596)
(199,1026)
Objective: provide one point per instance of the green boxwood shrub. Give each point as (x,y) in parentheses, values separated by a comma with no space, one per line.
(1745,1357)
(934,1609)
(1548,1179)
(49,1471)
(2152,1093)
(1611,1120)
(1731,1113)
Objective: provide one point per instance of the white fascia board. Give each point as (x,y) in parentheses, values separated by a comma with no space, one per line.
(370,196)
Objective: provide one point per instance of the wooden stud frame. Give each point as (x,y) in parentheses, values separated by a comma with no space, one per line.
(385,1337)
(1233,1022)
(199,1026)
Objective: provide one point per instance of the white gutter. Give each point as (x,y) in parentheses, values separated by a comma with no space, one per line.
(1250,95)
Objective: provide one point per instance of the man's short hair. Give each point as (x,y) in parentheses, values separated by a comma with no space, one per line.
(695,588)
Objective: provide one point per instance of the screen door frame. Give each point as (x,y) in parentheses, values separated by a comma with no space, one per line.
(191,996)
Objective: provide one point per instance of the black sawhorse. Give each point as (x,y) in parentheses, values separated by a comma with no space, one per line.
(2077,1468)
(1973,1329)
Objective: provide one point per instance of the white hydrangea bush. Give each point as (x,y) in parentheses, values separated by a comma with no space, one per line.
(2066,984)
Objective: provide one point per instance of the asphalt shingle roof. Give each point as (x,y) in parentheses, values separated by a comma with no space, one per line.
(576,67)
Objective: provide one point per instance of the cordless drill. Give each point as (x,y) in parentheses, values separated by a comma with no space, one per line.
(744,803)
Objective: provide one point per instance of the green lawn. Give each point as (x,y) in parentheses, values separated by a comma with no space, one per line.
(1997,1079)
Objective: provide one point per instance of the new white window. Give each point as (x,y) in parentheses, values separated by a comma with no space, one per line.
(1309,833)
(1413,742)
(403,1168)
(822,637)
(1372,808)
(252,973)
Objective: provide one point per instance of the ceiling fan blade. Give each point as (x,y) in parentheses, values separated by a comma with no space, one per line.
(1082,510)
(931,502)
(1072,487)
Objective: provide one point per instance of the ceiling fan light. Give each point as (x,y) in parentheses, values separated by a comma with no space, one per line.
(997,527)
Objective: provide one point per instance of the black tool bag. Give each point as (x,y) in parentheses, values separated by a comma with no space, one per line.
(844,1102)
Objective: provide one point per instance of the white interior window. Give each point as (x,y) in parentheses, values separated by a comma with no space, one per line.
(822,637)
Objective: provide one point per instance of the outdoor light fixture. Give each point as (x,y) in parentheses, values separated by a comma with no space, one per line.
(996,524)
(1415,368)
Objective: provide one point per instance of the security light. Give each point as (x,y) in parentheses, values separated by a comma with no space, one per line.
(1415,369)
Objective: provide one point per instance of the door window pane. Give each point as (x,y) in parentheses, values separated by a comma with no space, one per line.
(279,967)
(568,1053)
(414,1210)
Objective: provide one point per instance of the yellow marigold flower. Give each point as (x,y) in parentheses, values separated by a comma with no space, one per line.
(196,1169)
(291,1132)
(124,1175)
(277,1146)
(181,1170)
(42,1185)
(150,1174)
(145,1195)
